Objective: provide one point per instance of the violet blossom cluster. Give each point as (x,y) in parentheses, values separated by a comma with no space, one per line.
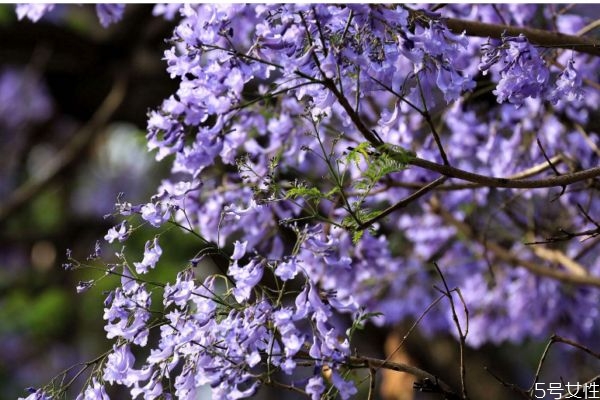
(259,132)
(525,74)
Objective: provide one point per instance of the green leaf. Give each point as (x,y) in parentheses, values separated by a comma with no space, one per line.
(357,235)
(397,153)
(354,156)
(305,192)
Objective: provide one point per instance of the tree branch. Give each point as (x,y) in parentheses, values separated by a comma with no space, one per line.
(537,37)
(490,181)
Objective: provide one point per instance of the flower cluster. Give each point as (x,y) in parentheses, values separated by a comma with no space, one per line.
(524,73)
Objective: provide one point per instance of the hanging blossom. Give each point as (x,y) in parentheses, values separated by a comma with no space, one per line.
(127,311)
(152,253)
(119,232)
(523,72)
(435,50)
(568,85)
(219,345)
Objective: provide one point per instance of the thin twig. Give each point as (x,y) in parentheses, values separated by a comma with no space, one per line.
(560,339)
(427,116)
(284,386)
(462,336)
(511,386)
(572,343)
(372,374)
(588,28)
(404,202)
(587,216)
(539,143)
(587,138)
(414,326)
(538,370)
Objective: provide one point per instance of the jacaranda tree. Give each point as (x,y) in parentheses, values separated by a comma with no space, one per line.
(349,165)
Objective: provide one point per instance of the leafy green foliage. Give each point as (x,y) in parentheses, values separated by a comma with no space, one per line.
(375,164)
(379,164)
(301,190)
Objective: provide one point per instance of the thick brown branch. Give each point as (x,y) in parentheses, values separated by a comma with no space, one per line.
(490,181)
(535,36)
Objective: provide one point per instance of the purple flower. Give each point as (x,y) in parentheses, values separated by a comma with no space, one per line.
(152,253)
(119,365)
(346,389)
(155,215)
(239,250)
(97,251)
(287,270)
(95,391)
(568,85)
(234,393)
(119,232)
(83,286)
(523,72)
(181,290)
(185,385)
(109,13)
(245,278)
(315,387)
(153,389)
